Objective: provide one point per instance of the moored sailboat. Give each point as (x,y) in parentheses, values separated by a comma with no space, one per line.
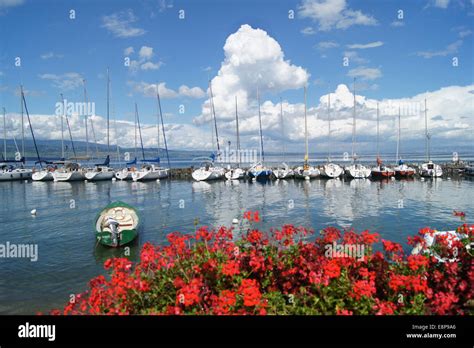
(207,169)
(330,170)
(259,171)
(429,169)
(356,170)
(306,171)
(402,170)
(283,171)
(381,171)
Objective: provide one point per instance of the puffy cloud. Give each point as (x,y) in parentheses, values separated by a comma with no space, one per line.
(365,73)
(365,46)
(64,82)
(308,31)
(450,49)
(252,58)
(120,24)
(333,14)
(324,45)
(149,90)
(146,52)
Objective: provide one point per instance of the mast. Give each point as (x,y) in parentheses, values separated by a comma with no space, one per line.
(108,115)
(85,117)
(305,131)
(62,128)
(95,139)
(237,132)
(163,127)
(31,128)
(353,124)
(427,135)
(158,122)
(262,155)
(378,132)
(398,137)
(69,129)
(215,120)
(282,130)
(22,123)
(4,134)
(329,127)
(139,131)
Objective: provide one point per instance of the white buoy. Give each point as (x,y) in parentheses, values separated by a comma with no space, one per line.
(235,221)
(392,178)
(306,177)
(449,178)
(26,180)
(422,179)
(114,179)
(254,179)
(33,212)
(157,180)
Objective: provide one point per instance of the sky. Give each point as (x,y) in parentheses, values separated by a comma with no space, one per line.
(399,52)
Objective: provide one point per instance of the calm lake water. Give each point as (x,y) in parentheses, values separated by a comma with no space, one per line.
(68,256)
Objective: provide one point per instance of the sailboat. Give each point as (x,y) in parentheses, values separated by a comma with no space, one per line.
(283,171)
(258,170)
(70,171)
(13,169)
(207,170)
(356,170)
(102,171)
(330,170)
(402,170)
(126,173)
(380,171)
(152,170)
(429,169)
(236,173)
(306,171)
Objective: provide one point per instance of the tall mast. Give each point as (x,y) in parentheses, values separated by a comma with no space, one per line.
(22,123)
(215,120)
(136,135)
(282,130)
(62,127)
(163,127)
(158,121)
(139,131)
(398,137)
(108,116)
(353,124)
(329,127)
(85,117)
(378,132)
(31,127)
(262,155)
(305,131)
(95,138)
(69,129)
(427,135)
(237,131)
(4,134)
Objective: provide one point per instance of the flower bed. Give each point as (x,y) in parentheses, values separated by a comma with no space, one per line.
(284,272)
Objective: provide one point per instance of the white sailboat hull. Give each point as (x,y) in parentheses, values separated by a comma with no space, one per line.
(124,174)
(235,174)
(311,173)
(95,175)
(42,175)
(331,170)
(146,175)
(15,174)
(431,170)
(206,174)
(357,171)
(283,173)
(68,176)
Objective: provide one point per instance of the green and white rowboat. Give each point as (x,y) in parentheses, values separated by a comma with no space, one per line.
(117,224)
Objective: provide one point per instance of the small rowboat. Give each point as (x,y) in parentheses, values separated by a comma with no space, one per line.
(117,224)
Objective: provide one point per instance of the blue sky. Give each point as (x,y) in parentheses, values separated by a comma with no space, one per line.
(406,57)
